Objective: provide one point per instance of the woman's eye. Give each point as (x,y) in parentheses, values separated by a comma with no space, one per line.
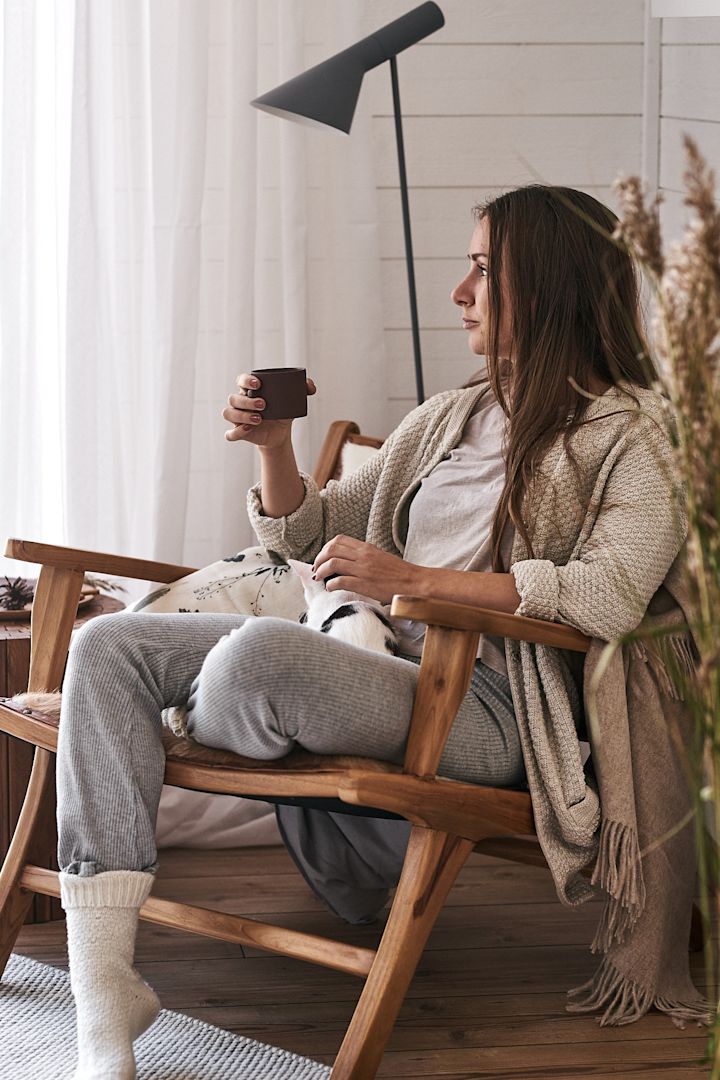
(482,270)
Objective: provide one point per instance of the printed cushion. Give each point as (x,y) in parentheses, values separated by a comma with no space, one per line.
(252,582)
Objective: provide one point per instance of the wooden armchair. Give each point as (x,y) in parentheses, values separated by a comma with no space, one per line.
(450,819)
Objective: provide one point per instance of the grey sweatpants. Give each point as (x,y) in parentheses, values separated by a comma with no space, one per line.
(255,686)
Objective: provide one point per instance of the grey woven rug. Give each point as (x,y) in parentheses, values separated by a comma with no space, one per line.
(37,1038)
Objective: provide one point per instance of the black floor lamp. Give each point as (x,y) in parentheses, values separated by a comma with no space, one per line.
(326,96)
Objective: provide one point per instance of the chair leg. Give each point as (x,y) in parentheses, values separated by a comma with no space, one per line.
(432,863)
(26,844)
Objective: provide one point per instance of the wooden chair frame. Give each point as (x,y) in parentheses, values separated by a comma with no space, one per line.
(449,818)
(339,434)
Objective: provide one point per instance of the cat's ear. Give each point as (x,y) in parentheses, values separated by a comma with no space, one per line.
(303,570)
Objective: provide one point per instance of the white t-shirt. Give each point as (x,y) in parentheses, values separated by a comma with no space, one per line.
(451,516)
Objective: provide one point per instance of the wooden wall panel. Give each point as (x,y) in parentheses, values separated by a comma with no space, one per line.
(691,82)
(513,79)
(673,213)
(700,31)
(510,150)
(613,21)
(689,102)
(672,159)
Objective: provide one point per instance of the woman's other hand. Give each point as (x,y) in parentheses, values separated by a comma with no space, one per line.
(355,565)
(245,413)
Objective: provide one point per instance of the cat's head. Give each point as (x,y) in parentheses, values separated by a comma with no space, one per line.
(345,615)
(318,599)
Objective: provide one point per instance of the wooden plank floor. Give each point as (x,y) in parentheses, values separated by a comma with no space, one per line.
(487,999)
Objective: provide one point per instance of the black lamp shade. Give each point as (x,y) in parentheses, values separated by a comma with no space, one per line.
(326,95)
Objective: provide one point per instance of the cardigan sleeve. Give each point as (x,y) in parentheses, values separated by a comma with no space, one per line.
(343,506)
(640,527)
(292,535)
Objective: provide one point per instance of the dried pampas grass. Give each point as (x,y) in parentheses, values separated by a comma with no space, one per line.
(685,278)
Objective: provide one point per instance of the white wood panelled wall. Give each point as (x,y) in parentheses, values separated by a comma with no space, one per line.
(512,91)
(689,102)
(508,92)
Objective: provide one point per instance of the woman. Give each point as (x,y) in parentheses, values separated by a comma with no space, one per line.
(553,471)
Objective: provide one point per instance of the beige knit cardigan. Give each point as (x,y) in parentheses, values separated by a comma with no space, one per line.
(609,557)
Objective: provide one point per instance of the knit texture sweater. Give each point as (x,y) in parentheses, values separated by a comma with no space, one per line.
(609,558)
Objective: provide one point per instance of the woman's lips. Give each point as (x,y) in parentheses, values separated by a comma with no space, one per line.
(467,323)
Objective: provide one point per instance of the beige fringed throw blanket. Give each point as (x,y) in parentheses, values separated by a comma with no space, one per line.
(643,863)
(605,570)
(609,555)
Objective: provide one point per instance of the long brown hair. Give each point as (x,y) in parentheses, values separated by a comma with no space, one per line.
(574,299)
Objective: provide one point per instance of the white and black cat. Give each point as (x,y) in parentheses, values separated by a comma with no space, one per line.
(345,615)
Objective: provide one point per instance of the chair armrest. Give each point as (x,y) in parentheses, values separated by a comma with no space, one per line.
(446,666)
(448,658)
(488,621)
(97,562)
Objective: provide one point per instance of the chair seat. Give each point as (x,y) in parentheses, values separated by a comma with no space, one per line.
(186,750)
(311,779)
(298,779)
(299,765)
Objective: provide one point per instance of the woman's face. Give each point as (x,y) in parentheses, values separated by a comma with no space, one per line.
(471,295)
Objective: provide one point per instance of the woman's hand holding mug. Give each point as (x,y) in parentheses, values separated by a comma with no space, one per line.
(245,413)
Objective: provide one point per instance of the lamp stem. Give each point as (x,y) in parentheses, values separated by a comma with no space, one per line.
(408,238)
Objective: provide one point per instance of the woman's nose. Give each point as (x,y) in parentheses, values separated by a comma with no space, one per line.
(459,294)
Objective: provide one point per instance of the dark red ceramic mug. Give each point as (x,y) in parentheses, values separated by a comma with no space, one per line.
(284,391)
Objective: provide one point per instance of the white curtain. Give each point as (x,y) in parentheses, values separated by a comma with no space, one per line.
(159,236)
(35,87)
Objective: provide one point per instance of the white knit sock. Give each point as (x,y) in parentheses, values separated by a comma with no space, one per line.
(114,1005)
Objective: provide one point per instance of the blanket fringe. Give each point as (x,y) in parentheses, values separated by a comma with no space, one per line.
(626,1001)
(656,653)
(618,870)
